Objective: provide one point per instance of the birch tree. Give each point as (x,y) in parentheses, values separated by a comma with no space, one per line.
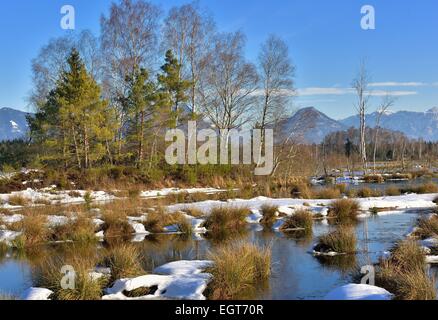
(360,85)
(187,32)
(230,83)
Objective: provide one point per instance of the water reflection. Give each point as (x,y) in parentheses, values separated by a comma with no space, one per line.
(297,274)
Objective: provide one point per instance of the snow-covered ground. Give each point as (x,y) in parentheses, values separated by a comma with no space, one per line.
(358,292)
(53,196)
(409,201)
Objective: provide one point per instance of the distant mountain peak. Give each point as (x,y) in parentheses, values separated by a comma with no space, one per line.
(310,125)
(13,124)
(433,110)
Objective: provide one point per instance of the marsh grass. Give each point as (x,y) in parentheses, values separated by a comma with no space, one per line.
(48,275)
(116,226)
(301,219)
(301,191)
(157,220)
(232,276)
(341,240)
(229,219)
(79,229)
(18,200)
(34,231)
(429,187)
(367,193)
(269,213)
(427,227)
(328,193)
(194,212)
(344,209)
(124,261)
(404,273)
(392,191)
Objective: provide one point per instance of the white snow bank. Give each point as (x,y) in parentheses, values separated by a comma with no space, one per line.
(8,236)
(358,292)
(403,202)
(176,280)
(54,197)
(168,287)
(138,228)
(432,259)
(11,219)
(168,191)
(36,294)
(184,267)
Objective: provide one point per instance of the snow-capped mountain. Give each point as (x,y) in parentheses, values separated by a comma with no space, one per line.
(309,125)
(413,124)
(13,124)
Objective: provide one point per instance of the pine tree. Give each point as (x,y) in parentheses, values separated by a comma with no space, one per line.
(173,88)
(139,107)
(75,121)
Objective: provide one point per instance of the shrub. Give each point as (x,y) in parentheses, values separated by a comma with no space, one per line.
(88,200)
(344,209)
(232,276)
(301,219)
(269,213)
(342,240)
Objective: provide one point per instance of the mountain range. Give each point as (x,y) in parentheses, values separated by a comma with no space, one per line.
(312,126)
(309,124)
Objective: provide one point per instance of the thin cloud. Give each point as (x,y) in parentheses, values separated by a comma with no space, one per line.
(324,91)
(397,84)
(348,91)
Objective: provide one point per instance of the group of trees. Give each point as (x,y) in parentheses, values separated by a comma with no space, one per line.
(109,99)
(390,146)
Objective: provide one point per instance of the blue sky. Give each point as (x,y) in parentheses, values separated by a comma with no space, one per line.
(325,39)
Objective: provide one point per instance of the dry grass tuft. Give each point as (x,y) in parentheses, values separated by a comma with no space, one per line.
(344,209)
(302,219)
(269,213)
(342,240)
(232,277)
(404,273)
(124,261)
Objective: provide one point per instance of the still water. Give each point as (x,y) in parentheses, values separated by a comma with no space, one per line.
(297,274)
